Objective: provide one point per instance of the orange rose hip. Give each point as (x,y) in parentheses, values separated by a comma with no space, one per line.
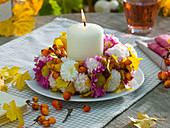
(35,99)
(44,111)
(82,70)
(81,63)
(66,95)
(159,75)
(58,60)
(35,106)
(86,108)
(56,75)
(44,106)
(164,75)
(46,123)
(51,120)
(167,84)
(44,52)
(41,119)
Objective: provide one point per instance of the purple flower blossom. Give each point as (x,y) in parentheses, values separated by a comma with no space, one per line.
(98,58)
(38,75)
(36,58)
(110,41)
(98,91)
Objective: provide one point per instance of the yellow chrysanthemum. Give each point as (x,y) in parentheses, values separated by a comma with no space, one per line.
(116,63)
(135,60)
(165,11)
(165,5)
(61,41)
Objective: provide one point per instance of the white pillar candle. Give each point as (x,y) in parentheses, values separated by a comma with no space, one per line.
(84,41)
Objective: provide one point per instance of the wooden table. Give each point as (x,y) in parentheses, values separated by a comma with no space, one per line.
(156,103)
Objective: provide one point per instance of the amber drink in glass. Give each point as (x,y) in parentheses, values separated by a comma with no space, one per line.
(141,14)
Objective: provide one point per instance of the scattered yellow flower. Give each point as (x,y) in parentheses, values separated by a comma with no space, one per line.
(3,86)
(144,121)
(9,74)
(14,112)
(35,5)
(22,22)
(6,28)
(21,8)
(20,80)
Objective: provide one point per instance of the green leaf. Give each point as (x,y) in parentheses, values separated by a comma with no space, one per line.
(56,8)
(68,5)
(50,7)
(121,8)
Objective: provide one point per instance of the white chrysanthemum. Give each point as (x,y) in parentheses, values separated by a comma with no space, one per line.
(52,81)
(102,6)
(114,4)
(114,81)
(132,49)
(118,50)
(68,72)
(79,84)
(92,64)
(64,59)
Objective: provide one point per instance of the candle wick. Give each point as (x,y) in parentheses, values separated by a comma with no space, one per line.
(84,24)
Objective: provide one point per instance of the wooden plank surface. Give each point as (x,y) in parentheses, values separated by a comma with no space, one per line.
(157,102)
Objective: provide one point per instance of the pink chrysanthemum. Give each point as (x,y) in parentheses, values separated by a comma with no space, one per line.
(38,72)
(110,41)
(97,91)
(99,68)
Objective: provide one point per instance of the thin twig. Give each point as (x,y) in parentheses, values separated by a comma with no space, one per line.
(68,114)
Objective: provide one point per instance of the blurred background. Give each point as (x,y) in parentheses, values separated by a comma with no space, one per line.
(57,7)
(15,13)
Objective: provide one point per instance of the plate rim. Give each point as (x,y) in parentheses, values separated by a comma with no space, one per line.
(85,99)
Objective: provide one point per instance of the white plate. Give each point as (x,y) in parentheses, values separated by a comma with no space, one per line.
(137,81)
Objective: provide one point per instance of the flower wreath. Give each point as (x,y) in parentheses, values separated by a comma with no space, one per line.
(94,77)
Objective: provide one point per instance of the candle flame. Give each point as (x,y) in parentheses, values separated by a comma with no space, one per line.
(83,16)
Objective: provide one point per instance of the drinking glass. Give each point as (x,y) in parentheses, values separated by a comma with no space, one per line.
(141,14)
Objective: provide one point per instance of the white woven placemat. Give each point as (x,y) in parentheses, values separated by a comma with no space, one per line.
(21,51)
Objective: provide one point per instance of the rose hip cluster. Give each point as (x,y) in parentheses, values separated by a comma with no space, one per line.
(55,49)
(56,104)
(165,75)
